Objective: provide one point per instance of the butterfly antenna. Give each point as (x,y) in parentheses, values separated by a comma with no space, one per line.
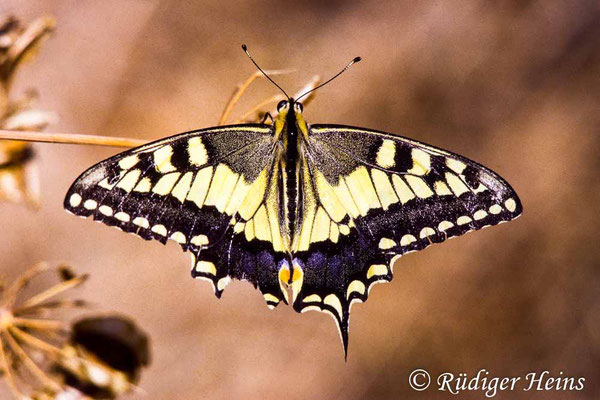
(354,61)
(245,48)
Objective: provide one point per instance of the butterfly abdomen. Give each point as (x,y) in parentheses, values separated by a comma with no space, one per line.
(290,172)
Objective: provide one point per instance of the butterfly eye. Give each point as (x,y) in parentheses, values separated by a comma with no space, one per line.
(299,107)
(281,105)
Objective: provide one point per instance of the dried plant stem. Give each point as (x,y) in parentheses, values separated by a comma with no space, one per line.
(41,324)
(53,352)
(76,138)
(53,291)
(313,83)
(34,33)
(237,93)
(53,336)
(258,107)
(9,377)
(30,364)
(38,308)
(34,342)
(70,138)
(20,283)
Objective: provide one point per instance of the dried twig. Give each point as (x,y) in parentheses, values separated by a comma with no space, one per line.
(237,93)
(70,138)
(13,291)
(54,291)
(6,368)
(30,364)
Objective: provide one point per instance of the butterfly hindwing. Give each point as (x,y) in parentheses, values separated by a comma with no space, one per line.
(252,249)
(382,196)
(190,188)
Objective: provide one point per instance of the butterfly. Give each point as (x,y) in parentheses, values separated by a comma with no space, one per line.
(321,211)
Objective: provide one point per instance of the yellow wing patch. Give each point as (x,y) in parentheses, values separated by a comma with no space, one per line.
(323,211)
(258,210)
(162,159)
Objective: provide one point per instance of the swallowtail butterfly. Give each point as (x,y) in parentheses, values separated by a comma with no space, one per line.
(325,210)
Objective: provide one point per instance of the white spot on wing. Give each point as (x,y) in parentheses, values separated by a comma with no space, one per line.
(425,232)
(207,267)
(141,222)
(75,200)
(463,220)
(223,282)
(333,301)
(496,209)
(313,298)
(480,214)
(444,225)
(407,239)
(386,243)
(106,210)
(511,205)
(355,286)
(270,298)
(90,204)
(159,230)
(121,216)
(199,240)
(377,270)
(178,237)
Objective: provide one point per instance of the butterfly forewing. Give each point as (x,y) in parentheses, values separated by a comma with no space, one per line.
(197,189)
(376,197)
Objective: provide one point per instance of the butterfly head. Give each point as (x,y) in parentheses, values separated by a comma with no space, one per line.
(293,118)
(284,106)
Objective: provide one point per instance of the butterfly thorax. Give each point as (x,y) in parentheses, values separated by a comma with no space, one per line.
(290,129)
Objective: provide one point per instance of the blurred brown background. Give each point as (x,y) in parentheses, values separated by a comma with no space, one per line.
(514,85)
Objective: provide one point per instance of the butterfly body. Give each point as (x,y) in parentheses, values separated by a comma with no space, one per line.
(290,167)
(325,210)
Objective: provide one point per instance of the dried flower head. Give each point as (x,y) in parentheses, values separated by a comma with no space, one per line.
(44,358)
(113,342)
(18,43)
(28,340)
